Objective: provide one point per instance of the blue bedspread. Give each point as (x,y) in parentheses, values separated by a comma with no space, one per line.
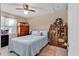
(28,45)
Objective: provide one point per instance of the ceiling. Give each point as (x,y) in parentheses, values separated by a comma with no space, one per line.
(40,8)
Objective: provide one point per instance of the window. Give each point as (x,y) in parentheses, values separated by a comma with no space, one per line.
(11,24)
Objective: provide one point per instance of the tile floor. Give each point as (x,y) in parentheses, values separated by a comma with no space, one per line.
(46,51)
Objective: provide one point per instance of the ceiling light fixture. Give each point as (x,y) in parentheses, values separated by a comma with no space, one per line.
(25,12)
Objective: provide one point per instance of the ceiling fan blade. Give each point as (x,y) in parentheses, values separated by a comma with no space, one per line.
(31,10)
(19,8)
(37,7)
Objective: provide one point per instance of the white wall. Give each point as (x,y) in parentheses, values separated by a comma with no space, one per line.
(44,21)
(73,34)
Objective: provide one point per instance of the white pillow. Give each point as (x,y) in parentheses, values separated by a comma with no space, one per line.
(35,32)
(44,33)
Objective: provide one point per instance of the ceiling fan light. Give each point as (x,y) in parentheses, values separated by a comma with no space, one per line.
(25,12)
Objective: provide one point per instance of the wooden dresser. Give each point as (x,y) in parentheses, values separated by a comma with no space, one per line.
(4,40)
(23,29)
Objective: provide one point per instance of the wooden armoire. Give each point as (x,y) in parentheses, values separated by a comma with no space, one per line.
(54,35)
(23,29)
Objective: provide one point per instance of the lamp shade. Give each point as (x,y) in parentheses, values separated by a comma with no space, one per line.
(25,12)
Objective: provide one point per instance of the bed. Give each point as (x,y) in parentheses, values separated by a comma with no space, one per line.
(28,45)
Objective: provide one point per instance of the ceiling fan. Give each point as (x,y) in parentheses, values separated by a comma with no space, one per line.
(26,8)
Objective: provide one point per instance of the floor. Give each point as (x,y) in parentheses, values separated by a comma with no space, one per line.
(46,51)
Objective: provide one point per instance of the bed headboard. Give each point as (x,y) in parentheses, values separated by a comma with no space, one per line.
(23,29)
